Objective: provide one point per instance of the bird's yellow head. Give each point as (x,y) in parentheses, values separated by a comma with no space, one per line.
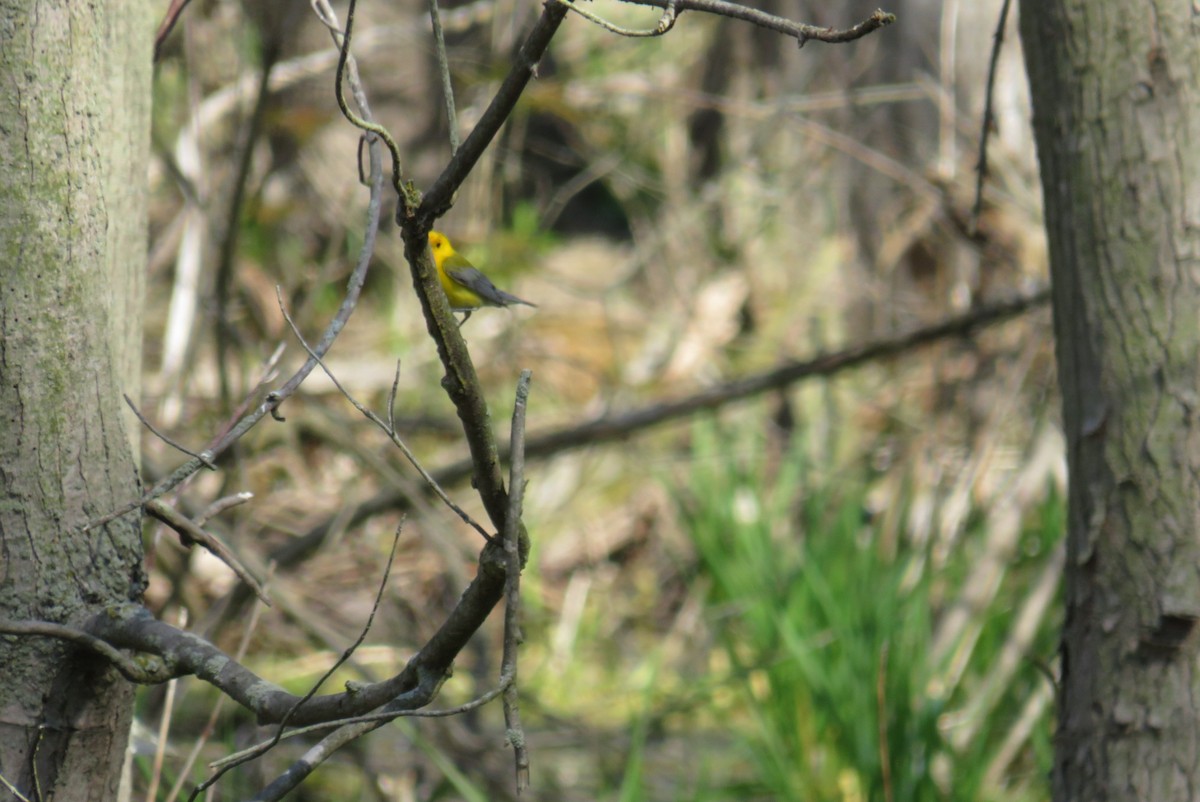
(439,244)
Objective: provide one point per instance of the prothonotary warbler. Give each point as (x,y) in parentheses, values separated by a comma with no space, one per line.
(466,288)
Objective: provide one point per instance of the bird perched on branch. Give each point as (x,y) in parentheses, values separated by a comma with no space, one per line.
(466,288)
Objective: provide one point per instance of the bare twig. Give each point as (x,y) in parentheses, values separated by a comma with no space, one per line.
(391,402)
(439,48)
(12,789)
(220,505)
(615,427)
(347,64)
(665,23)
(204,458)
(426,689)
(514,533)
(189,532)
(437,199)
(174,12)
(133,627)
(390,432)
(270,404)
(185,770)
(268,745)
(989,118)
(376,719)
(164,726)
(799,31)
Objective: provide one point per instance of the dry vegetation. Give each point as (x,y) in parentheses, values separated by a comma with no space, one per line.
(685,211)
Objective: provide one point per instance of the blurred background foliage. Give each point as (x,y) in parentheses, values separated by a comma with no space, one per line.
(841,590)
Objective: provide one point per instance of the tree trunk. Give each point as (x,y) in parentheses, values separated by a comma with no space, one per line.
(74,143)
(1116,98)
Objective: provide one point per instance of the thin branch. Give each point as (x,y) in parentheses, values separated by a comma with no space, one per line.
(174,12)
(346,63)
(516,545)
(391,402)
(133,627)
(204,458)
(387,429)
(615,427)
(437,199)
(270,404)
(220,505)
(268,745)
(12,789)
(427,688)
(989,118)
(143,672)
(665,23)
(185,770)
(377,719)
(227,248)
(189,532)
(439,48)
(164,726)
(799,31)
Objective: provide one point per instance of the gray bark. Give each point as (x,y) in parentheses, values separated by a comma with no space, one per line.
(74,142)
(1116,97)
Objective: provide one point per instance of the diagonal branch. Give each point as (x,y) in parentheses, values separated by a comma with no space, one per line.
(611,427)
(270,404)
(190,532)
(440,196)
(799,31)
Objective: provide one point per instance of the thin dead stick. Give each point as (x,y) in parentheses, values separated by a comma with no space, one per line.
(204,457)
(427,687)
(989,118)
(266,375)
(514,528)
(270,404)
(174,12)
(13,789)
(439,48)
(270,744)
(799,31)
(211,724)
(189,532)
(347,64)
(387,429)
(375,718)
(665,23)
(220,505)
(164,726)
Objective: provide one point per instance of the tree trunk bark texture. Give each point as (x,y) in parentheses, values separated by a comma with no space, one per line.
(74,143)
(1116,111)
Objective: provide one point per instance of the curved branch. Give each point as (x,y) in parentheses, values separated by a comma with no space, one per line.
(799,31)
(144,672)
(131,626)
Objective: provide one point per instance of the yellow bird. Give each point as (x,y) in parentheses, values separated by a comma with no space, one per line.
(466,288)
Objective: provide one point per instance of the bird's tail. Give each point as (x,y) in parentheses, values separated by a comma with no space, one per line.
(509,299)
